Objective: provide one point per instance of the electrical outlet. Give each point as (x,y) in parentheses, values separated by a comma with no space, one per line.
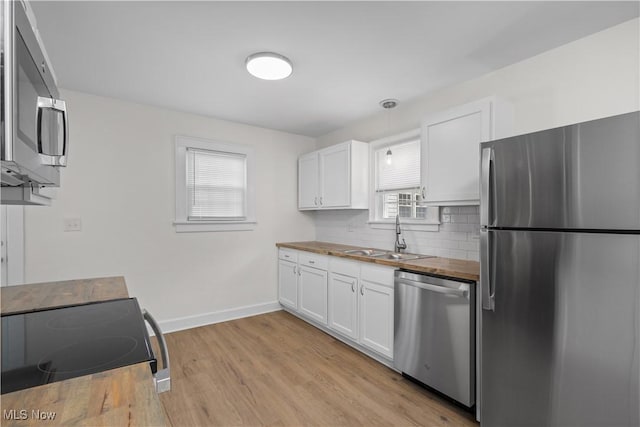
(72,224)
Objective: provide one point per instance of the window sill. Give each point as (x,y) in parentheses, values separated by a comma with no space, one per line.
(408,226)
(204,226)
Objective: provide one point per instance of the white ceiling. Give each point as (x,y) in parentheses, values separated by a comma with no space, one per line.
(347,56)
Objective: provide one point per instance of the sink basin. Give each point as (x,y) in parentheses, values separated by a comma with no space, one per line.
(365,252)
(400,256)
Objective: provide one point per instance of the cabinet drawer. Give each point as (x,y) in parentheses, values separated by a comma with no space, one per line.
(344,267)
(288,255)
(313,260)
(377,274)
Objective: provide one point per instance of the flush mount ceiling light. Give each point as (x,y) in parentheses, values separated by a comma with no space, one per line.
(269,66)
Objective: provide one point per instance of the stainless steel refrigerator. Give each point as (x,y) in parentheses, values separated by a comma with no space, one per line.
(560,276)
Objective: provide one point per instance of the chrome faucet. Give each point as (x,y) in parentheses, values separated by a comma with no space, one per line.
(399,247)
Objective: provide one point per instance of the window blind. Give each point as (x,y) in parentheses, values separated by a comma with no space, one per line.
(216,185)
(404,170)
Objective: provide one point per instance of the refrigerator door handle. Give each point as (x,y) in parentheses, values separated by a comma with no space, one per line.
(486,167)
(488,293)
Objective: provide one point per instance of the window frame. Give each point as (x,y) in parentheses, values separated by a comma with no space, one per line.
(182,221)
(431,222)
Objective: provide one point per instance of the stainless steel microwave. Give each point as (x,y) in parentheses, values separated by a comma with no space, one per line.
(35,125)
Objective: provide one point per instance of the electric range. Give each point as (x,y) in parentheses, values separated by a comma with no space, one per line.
(57,344)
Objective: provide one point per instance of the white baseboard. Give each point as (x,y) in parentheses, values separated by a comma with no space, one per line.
(181,323)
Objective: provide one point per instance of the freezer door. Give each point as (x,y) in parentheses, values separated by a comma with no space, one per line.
(584,176)
(560,344)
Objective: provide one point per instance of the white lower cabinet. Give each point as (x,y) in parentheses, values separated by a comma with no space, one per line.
(312,284)
(288,283)
(353,299)
(343,304)
(376,317)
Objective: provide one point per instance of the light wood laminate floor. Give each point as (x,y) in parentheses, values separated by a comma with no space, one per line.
(275,369)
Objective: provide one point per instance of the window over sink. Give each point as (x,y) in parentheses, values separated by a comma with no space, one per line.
(214,186)
(396,183)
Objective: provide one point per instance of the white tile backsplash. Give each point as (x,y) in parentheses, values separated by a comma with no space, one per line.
(457,236)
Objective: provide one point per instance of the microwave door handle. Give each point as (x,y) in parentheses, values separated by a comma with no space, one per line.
(61,107)
(162,378)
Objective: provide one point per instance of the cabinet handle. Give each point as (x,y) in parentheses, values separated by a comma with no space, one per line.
(353,286)
(315,200)
(312,262)
(362,290)
(320,200)
(424,193)
(299,272)
(294,270)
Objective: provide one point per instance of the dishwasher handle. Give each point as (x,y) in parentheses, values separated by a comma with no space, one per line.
(462,292)
(162,378)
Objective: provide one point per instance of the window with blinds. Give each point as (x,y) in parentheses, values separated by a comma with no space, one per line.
(216,185)
(398,181)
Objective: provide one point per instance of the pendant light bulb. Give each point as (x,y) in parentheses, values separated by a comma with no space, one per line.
(389,154)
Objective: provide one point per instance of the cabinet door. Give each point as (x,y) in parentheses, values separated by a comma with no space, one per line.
(335,176)
(308,195)
(12,245)
(376,317)
(343,304)
(288,284)
(312,284)
(450,163)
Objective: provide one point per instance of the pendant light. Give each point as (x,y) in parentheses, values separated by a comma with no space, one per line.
(388,104)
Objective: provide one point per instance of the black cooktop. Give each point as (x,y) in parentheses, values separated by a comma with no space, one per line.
(52,345)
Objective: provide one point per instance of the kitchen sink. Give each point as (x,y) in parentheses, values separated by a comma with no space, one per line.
(365,252)
(399,256)
(374,253)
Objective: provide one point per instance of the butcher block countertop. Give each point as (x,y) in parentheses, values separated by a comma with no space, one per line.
(454,268)
(38,296)
(119,397)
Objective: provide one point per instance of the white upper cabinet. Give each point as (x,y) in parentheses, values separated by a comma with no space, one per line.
(336,177)
(308,174)
(451,150)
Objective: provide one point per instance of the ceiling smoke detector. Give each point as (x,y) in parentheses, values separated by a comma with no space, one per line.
(389,103)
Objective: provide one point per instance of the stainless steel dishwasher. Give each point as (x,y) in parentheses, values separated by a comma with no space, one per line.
(435,333)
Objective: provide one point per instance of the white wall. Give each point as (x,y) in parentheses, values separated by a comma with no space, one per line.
(590,78)
(593,77)
(120,182)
